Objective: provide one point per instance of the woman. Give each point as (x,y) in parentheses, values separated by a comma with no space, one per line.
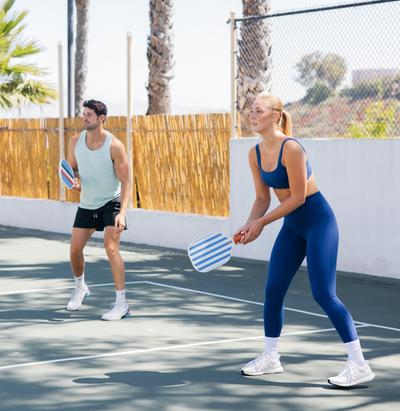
(309,229)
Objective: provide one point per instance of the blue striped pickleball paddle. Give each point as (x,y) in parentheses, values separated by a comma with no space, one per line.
(66,174)
(210,251)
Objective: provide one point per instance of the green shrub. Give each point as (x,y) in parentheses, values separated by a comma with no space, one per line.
(377,124)
(317,94)
(367,88)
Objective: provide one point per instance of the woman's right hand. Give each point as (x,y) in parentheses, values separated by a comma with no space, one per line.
(239,235)
(250,232)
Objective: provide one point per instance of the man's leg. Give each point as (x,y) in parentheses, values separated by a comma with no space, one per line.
(79,238)
(111,243)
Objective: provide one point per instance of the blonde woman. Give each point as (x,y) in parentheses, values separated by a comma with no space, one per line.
(309,230)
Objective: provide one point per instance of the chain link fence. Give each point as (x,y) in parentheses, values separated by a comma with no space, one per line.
(336,69)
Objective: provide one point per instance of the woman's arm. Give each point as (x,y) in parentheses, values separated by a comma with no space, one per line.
(295,163)
(263,192)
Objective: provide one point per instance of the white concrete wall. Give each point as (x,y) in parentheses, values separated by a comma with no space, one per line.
(361,181)
(359,178)
(159,228)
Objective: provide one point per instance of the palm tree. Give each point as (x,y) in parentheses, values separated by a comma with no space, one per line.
(81,53)
(254,61)
(160,55)
(18,85)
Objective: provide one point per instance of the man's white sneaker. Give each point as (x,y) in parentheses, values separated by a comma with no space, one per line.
(77,297)
(263,365)
(117,312)
(352,374)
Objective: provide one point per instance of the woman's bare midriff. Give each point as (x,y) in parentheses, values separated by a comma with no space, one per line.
(284,193)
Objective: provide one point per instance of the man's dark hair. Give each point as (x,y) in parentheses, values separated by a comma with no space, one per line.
(98,107)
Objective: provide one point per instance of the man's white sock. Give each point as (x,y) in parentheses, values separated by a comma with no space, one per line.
(120,296)
(80,281)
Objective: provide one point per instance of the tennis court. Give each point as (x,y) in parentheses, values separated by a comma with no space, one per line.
(187,338)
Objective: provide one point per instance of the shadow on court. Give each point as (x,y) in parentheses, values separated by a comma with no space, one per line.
(187,339)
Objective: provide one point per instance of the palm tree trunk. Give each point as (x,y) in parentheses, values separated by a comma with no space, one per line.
(255,65)
(81,53)
(160,55)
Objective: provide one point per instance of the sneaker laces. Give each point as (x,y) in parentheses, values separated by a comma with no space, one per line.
(75,294)
(116,306)
(258,362)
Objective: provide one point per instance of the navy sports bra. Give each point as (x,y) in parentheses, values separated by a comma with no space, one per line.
(278,178)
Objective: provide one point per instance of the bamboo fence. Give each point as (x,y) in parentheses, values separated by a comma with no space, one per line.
(23,158)
(181,163)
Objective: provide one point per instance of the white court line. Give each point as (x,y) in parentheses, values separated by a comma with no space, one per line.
(257,303)
(199,292)
(176,346)
(64,288)
(231,298)
(171,347)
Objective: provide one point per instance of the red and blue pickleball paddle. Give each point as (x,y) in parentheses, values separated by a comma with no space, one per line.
(66,174)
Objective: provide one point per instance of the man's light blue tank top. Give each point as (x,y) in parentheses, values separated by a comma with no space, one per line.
(99,181)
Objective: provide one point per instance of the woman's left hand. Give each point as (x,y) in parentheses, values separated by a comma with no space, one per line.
(252,231)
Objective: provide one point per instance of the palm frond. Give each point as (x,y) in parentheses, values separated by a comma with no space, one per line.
(12,23)
(23,49)
(16,89)
(7,5)
(22,69)
(19,92)
(5,103)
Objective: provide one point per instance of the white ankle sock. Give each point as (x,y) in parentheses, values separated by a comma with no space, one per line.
(120,296)
(80,281)
(355,353)
(271,347)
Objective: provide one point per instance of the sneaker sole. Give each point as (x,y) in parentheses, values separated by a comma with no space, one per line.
(362,381)
(76,309)
(276,371)
(127,315)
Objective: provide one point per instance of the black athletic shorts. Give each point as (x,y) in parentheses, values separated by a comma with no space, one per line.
(99,218)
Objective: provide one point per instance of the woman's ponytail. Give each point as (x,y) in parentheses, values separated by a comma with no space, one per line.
(285,124)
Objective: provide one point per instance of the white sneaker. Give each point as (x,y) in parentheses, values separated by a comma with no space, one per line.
(263,365)
(117,312)
(77,297)
(352,374)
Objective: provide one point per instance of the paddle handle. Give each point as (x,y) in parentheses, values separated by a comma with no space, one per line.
(236,238)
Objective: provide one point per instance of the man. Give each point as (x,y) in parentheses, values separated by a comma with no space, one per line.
(103,168)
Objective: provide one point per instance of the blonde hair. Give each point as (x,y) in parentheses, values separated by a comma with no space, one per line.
(284,122)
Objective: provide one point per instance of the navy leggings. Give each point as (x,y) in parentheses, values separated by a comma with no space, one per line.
(310,230)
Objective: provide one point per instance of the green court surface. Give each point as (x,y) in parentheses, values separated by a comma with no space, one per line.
(187,338)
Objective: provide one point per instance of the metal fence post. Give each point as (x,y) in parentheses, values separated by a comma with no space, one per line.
(234,131)
(129,118)
(61,115)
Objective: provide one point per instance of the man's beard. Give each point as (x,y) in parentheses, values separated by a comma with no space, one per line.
(91,126)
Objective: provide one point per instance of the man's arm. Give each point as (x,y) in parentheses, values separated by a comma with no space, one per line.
(121,166)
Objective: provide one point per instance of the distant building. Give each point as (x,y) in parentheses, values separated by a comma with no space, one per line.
(374,74)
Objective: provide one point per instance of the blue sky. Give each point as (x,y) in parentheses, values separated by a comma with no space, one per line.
(202,46)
